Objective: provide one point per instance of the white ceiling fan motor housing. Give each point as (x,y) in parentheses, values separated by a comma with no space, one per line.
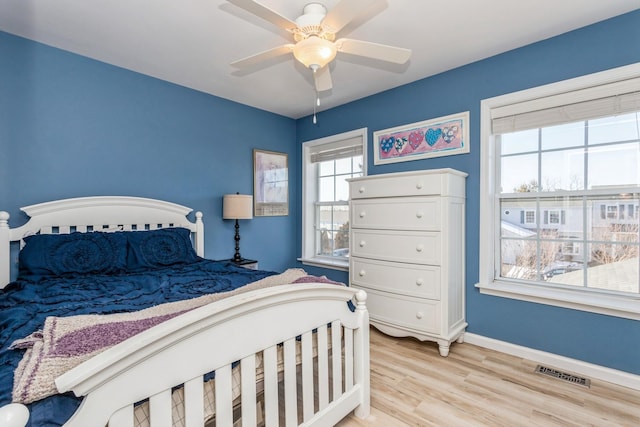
(309,23)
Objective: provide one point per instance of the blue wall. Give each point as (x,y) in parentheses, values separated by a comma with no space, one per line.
(71,126)
(598,339)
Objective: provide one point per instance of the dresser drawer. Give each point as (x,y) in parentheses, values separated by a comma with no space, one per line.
(416,247)
(443,182)
(406,279)
(401,311)
(418,213)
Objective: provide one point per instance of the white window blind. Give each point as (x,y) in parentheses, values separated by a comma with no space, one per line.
(337,150)
(589,103)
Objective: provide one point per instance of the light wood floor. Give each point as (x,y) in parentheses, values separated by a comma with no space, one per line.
(411,385)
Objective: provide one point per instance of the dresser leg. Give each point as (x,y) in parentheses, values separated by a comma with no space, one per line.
(443,347)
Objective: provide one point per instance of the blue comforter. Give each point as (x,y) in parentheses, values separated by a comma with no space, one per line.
(25,304)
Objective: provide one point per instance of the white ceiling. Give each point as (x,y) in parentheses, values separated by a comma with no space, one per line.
(192,42)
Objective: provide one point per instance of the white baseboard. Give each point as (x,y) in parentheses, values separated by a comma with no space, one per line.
(575,366)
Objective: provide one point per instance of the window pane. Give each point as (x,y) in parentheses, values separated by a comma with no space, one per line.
(612,129)
(326,168)
(327,189)
(614,267)
(333,230)
(562,170)
(343,166)
(518,259)
(613,244)
(342,188)
(614,165)
(519,142)
(324,226)
(518,219)
(341,226)
(519,174)
(323,239)
(563,136)
(357,165)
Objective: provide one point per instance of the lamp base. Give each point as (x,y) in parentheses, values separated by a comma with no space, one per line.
(237,258)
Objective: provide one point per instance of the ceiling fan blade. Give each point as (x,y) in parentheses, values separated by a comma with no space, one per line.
(253,60)
(322,79)
(382,52)
(265,13)
(343,13)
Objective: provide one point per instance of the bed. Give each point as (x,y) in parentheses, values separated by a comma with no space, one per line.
(223,345)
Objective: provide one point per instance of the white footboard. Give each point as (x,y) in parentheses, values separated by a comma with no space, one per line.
(319,390)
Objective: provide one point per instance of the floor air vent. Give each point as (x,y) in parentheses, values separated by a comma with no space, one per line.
(563,376)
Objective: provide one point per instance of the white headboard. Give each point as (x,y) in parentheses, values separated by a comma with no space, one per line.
(95,214)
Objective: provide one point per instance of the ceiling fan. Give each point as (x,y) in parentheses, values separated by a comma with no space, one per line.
(314,34)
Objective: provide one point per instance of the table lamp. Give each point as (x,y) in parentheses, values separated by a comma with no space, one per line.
(237,206)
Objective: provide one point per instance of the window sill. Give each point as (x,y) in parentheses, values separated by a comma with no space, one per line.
(601,303)
(342,265)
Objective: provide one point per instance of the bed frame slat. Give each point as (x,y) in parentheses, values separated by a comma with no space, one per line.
(307,377)
(348,359)
(323,368)
(290,382)
(160,409)
(248,381)
(336,357)
(193,403)
(270,361)
(224,403)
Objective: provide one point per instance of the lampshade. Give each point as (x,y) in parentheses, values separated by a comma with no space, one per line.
(314,52)
(237,206)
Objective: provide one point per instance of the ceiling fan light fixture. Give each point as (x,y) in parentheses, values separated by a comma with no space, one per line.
(314,52)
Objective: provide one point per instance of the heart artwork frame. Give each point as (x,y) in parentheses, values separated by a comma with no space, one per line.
(442,136)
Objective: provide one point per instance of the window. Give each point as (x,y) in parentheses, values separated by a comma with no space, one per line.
(327,165)
(568,156)
(554,217)
(529,217)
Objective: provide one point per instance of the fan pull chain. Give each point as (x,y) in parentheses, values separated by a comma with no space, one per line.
(316,104)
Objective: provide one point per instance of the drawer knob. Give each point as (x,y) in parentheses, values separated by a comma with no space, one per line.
(419,248)
(420,282)
(362,214)
(362,273)
(419,315)
(419,186)
(362,243)
(419,214)
(361,190)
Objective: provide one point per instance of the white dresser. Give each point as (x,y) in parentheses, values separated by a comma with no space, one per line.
(407,252)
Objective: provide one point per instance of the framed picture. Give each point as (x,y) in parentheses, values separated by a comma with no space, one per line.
(443,136)
(270,183)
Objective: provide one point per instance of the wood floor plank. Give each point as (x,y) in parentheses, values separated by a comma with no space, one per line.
(412,385)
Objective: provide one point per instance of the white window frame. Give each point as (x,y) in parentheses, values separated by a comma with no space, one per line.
(489,281)
(310,194)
